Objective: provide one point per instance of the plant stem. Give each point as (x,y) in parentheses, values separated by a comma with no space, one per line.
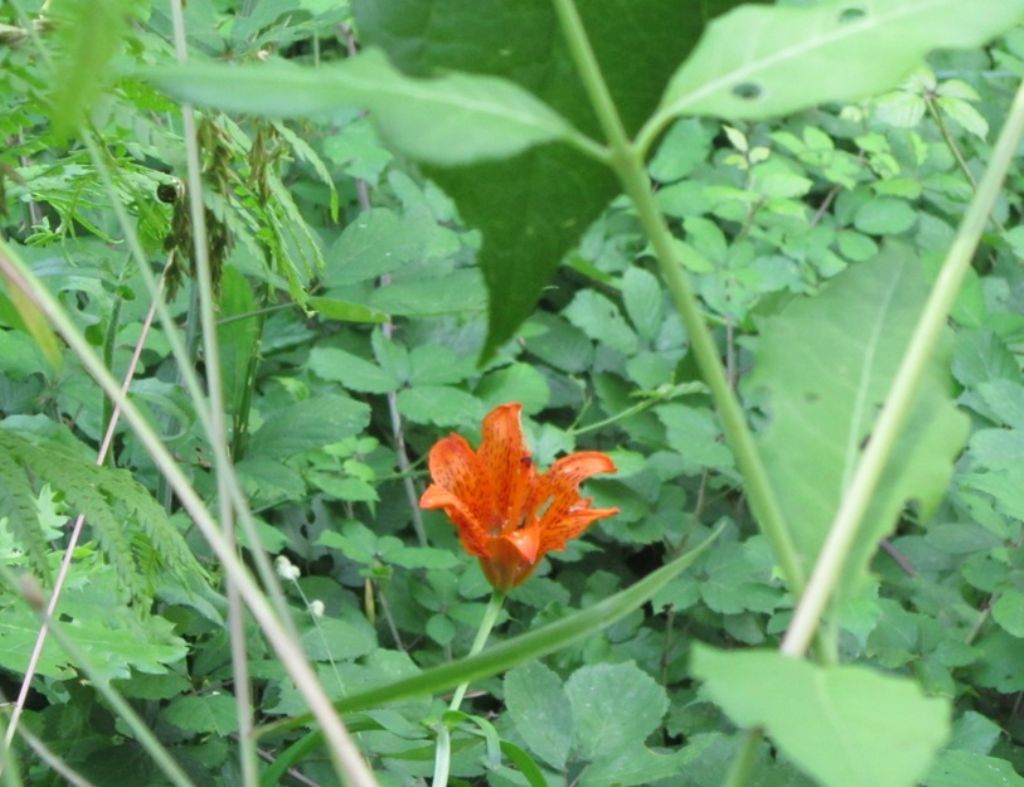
(628,164)
(442,758)
(218,433)
(904,388)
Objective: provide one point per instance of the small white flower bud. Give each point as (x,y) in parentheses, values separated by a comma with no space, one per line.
(316,608)
(287,570)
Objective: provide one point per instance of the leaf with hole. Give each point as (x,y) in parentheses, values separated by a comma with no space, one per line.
(759,62)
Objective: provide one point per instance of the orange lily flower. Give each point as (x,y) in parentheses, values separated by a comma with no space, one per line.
(507,514)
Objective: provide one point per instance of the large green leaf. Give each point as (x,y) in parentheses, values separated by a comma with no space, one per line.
(758,62)
(826,364)
(847,726)
(454,119)
(533,208)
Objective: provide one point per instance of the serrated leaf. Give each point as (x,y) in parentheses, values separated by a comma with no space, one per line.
(846,726)
(614,708)
(353,372)
(754,63)
(826,363)
(642,295)
(207,713)
(454,119)
(334,639)
(109,635)
(440,405)
(1008,612)
(377,241)
(518,382)
(309,424)
(459,292)
(600,319)
(539,708)
(530,213)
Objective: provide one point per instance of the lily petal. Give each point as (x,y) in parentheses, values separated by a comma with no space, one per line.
(472,534)
(455,467)
(506,458)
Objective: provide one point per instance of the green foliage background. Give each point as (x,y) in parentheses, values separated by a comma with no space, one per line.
(369,304)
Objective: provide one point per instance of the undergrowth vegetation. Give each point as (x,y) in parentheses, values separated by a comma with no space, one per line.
(765,259)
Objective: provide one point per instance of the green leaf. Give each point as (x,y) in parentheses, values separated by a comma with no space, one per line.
(519,382)
(531,645)
(755,62)
(687,144)
(600,319)
(440,405)
(455,119)
(209,713)
(614,708)
(846,726)
(1008,612)
(529,211)
(378,241)
(826,364)
(885,216)
(539,708)
(110,635)
(959,768)
(459,292)
(645,303)
(421,557)
(334,639)
(237,337)
(353,372)
(309,424)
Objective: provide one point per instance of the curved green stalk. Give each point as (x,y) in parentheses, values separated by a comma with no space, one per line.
(442,759)
(628,163)
(857,497)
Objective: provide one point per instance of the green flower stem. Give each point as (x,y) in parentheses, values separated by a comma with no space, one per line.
(347,758)
(443,755)
(628,163)
(904,388)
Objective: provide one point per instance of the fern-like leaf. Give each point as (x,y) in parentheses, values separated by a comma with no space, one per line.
(131,528)
(17,504)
